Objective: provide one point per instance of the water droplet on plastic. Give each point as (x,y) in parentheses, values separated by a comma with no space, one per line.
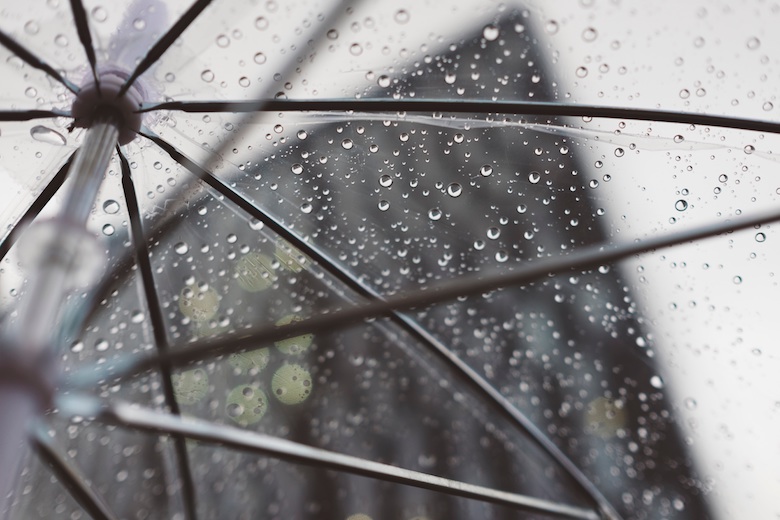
(306,208)
(347,144)
(355,49)
(297,169)
(454,190)
(99,14)
(551,27)
(753,43)
(749,149)
(760,237)
(690,403)
(181,248)
(678,138)
(139,24)
(223,41)
(534,177)
(207,76)
(261,23)
(767,106)
(657,382)
(490,32)
(61,40)
(332,34)
(581,72)
(681,205)
(385,181)
(101,345)
(111,206)
(401,16)
(486,170)
(32,27)
(383,205)
(737,280)
(383,81)
(108,230)
(589,34)
(137,317)
(434,214)
(47,135)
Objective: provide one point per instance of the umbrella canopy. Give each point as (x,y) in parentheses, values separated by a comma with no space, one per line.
(370,260)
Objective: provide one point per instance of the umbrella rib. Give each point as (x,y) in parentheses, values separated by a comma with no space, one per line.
(523,108)
(82,27)
(70,477)
(29,115)
(37,206)
(158,329)
(34,61)
(585,258)
(148,420)
(470,376)
(162,45)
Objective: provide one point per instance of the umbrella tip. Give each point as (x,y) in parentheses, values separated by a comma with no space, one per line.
(102,95)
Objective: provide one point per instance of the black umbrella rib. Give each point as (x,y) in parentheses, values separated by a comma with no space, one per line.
(585,258)
(37,206)
(470,376)
(522,108)
(34,61)
(158,330)
(70,478)
(29,115)
(165,42)
(82,27)
(148,420)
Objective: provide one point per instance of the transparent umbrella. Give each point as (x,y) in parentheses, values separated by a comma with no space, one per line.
(366,260)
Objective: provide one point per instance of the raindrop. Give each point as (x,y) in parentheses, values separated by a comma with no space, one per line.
(454,190)
(434,214)
(449,78)
(30,92)
(47,135)
(402,16)
(749,149)
(490,32)
(302,134)
(723,177)
(685,93)
(355,49)
(260,58)
(61,40)
(619,152)
(137,316)
(690,403)
(760,237)
(753,43)
(261,23)
(99,14)
(101,345)
(246,404)
(77,347)
(493,233)
(681,205)
(737,280)
(678,138)
(767,106)
(581,72)
(458,138)
(243,81)
(223,41)
(347,144)
(32,27)
(181,248)
(534,177)
(383,205)
(207,76)
(657,382)
(522,208)
(593,184)
(383,81)
(385,181)
(306,208)
(551,27)
(486,170)
(332,34)
(111,206)
(108,230)
(502,256)
(589,34)
(297,168)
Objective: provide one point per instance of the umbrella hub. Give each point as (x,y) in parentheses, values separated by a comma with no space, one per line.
(104,96)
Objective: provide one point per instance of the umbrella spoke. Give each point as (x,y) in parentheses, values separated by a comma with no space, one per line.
(162,45)
(34,61)
(29,115)
(158,328)
(70,477)
(82,27)
(152,421)
(460,368)
(524,108)
(35,208)
(586,258)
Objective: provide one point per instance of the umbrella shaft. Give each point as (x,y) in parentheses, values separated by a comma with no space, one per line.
(90,166)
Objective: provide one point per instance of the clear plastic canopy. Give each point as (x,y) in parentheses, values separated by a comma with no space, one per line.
(523,252)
